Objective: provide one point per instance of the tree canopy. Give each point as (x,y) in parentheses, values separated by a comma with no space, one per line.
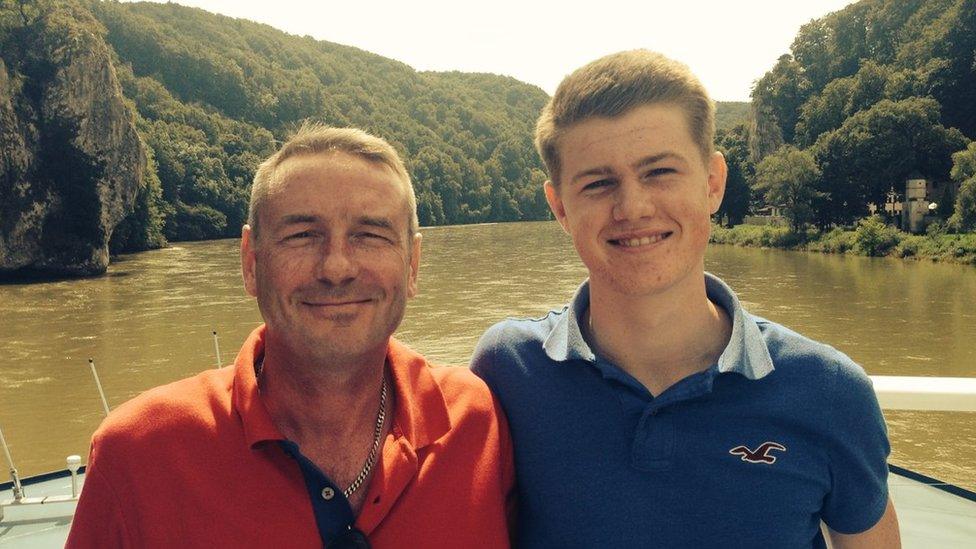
(876,92)
(788,178)
(964,171)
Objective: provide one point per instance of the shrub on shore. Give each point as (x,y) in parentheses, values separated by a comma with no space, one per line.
(836,241)
(872,237)
(759,236)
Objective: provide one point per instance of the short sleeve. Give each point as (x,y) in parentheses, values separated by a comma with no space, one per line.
(98,520)
(858,450)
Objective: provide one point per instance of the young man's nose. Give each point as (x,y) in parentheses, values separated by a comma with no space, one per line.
(633,201)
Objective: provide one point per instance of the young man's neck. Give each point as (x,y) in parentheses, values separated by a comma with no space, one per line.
(659,338)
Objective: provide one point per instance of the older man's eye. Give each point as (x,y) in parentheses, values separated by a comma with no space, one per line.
(657,172)
(298,238)
(598,184)
(372,237)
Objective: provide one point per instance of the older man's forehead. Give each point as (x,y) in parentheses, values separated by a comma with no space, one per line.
(304,166)
(341,159)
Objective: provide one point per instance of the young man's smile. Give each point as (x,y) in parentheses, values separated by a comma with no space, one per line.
(639,239)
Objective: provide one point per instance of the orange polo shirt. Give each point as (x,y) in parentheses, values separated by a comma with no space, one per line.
(197,463)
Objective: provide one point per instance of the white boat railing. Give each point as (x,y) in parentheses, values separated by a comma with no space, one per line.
(933,394)
(953,394)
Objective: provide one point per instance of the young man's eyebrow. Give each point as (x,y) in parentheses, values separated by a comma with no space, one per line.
(643,162)
(654,159)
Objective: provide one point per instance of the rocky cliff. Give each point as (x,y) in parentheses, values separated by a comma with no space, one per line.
(71,162)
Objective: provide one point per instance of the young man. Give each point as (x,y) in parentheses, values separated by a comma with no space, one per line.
(653,411)
(326,431)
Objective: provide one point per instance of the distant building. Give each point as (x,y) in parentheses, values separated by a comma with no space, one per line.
(766,215)
(916,205)
(924,202)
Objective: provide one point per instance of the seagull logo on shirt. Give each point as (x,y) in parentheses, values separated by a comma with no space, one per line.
(759,455)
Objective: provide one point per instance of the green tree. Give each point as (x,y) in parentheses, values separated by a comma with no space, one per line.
(734,144)
(784,89)
(788,178)
(879,148)
(143,228)
(843,97)
(964,171)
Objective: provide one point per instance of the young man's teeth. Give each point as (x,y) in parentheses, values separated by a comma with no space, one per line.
(634,242)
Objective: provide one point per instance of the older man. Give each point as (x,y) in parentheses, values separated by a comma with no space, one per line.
(325,431)
(654,411)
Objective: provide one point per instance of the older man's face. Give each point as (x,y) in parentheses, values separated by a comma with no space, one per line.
(334,265)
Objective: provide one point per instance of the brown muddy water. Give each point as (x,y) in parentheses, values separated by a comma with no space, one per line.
(149,321)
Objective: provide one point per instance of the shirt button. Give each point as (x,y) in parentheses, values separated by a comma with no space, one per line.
(328,493)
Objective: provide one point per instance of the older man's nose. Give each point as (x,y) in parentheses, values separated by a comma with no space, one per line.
(337,264)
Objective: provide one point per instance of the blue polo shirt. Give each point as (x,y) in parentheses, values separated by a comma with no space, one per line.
(781,433)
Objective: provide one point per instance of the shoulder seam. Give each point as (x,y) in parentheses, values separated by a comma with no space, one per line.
(116,500)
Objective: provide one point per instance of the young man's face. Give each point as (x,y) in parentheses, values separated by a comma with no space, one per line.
(334,264)
(636,196)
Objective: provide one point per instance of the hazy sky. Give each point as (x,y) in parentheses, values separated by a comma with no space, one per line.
(728,44)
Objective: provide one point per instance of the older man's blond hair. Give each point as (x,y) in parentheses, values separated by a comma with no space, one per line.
(320,139)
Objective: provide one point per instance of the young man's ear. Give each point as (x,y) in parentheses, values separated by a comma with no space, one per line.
(556,204)
(718,171)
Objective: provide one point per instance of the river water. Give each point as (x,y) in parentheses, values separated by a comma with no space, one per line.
(150,319)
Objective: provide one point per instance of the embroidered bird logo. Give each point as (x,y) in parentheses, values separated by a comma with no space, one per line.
(759,455)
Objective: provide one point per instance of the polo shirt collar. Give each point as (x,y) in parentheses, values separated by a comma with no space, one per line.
(565,340)
(745,354)
(421,414)
(246,399)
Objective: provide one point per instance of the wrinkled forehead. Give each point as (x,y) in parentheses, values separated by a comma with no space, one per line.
(333,181)
(339,161)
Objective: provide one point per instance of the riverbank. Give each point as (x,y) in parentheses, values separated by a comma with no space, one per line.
(871,238)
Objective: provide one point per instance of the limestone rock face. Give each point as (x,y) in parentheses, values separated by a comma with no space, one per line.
(71,161)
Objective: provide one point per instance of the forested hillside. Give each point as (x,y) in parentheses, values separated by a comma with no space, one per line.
(213,93)
(869,95)
(210,96)
(729,114)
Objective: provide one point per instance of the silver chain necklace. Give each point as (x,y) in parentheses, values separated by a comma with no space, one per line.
(377,434)
(374,450)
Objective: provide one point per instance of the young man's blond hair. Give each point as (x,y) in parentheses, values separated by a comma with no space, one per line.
(615,84)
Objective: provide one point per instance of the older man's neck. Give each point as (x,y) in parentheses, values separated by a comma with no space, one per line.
(311,400)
